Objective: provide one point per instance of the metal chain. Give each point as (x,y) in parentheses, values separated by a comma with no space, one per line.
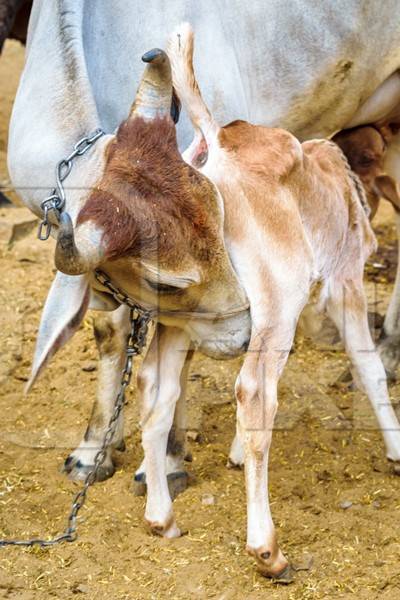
(56,200)
(120,296)
(135,343)
(139,320)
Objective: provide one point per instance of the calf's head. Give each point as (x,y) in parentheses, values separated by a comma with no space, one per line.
(152,222)
(365,148)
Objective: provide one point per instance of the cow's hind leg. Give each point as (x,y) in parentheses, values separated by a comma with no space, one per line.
(347,307)
(176,445)
(389,346)
(111,332)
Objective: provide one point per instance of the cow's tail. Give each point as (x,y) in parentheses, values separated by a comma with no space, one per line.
(180,52)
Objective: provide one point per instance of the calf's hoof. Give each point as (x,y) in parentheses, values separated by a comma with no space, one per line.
(272,564)
(230,464)
(77,471)
(177,483)
(168,530)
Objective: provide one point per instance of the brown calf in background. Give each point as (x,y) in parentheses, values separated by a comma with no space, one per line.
(366,150)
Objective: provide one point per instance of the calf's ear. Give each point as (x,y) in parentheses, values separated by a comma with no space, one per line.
(65,307)
(388,189)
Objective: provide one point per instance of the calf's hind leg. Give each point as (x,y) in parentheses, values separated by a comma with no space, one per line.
(347,307)
(256,392)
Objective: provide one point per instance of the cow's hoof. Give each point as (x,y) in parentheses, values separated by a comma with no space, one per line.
(77,471)
(232,465)
(394,466)
(139,484)
(177,483)
(345,381)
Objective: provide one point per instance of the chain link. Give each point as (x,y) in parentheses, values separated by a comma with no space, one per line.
(120,296)
(135,343)
(56,200)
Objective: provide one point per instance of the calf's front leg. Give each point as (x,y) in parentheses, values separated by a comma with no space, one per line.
(176,473)
(160,388)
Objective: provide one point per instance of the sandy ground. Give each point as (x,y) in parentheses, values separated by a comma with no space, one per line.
(326,452)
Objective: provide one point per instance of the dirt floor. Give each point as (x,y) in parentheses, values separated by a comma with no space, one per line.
(333,496)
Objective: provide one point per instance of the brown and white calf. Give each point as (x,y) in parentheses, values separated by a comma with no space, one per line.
(155,226)
(366,149)
(255,220)
(295,214)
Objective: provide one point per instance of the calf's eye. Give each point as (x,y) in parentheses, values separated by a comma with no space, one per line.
(163,288)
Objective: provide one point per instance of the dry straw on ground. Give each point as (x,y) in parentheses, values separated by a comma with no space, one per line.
(332,495)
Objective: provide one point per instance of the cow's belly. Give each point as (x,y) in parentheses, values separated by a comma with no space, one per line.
(311,83)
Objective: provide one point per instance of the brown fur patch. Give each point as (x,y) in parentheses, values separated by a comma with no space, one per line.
(150,203)
(174,445)
(364,148)
(104,334)
(263,151)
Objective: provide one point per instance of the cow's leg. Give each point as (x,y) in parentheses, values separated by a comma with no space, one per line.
(176,474)
(111,333)
(347,307)
(159,385)
(389,346)
(256,393)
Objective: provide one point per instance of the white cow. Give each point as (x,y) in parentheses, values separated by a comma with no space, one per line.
(305,67)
